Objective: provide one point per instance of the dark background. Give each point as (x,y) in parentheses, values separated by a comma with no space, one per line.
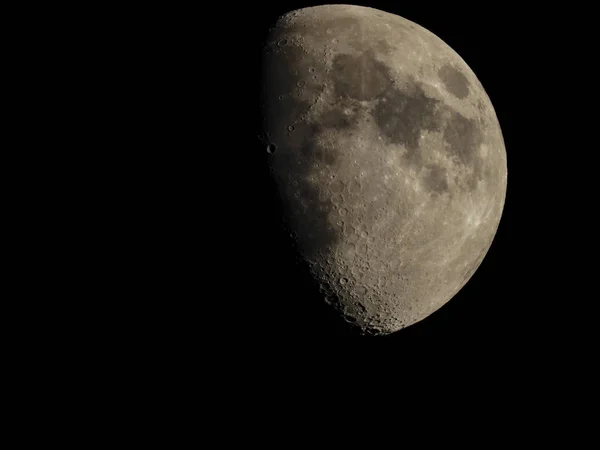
(208,270)
(165,277)
(156,281)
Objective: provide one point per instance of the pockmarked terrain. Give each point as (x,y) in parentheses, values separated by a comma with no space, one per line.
(388,159)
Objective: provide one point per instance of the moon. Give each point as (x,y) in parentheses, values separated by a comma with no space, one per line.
(388,158)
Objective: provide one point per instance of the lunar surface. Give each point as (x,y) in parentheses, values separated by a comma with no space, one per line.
(388,159)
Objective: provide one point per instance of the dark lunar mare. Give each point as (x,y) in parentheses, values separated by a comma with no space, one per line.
(401,117)
(403,112)
(454,81)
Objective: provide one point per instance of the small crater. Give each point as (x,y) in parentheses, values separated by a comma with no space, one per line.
(291,128)
(271,148)
(354,187)
(336,187)
(337,199)
(282,42)
(343,281)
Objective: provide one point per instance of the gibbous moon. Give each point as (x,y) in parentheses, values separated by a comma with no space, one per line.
(388,159)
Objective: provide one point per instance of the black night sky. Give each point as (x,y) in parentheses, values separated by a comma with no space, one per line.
(219,279)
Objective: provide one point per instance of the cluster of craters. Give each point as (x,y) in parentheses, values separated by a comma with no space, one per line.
(380,164)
